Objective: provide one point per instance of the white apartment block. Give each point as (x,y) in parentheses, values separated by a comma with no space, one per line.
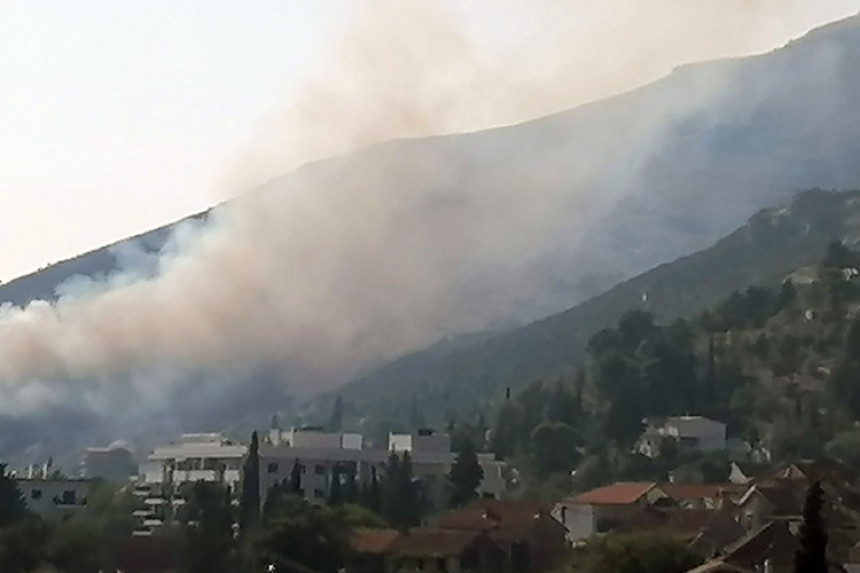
(317,454)
(194,457)
(52,497)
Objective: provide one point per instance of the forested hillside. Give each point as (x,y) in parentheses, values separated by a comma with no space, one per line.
(463,377)
(779,365)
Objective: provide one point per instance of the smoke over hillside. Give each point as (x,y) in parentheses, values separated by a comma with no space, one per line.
(354,260)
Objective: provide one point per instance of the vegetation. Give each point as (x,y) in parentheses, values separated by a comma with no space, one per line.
(462,377)
(632,553)
(465,476)
(811,556)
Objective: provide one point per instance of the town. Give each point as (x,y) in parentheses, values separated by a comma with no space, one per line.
(748,523)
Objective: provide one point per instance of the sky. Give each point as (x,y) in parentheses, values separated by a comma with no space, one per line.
(117,117)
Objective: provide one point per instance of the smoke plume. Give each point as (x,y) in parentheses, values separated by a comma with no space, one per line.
(350,261)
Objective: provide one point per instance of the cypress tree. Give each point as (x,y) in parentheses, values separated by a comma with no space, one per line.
(374,495)
(250,501)
(335,492)
(811,556)
(335,422)
(465,476)
(296,478)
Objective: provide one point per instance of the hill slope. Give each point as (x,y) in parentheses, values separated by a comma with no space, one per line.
(413,240)
(473,374)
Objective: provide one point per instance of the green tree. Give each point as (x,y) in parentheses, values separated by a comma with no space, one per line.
(23,544)
(636,553)
(554,445)
(296,478)
(465,476)
(811,556)
(296,534)
(12,505)
(207,517)
(335,491)
(250,501)
(335,421)
(401,503)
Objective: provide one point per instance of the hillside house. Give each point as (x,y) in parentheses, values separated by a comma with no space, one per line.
(690,433)
(606,508)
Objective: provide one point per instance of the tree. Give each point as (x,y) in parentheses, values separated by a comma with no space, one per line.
(207,530)
(12,505)
(335,491)
(335,421)
(401,505)
(22,544)
(634,553)
(465,476)
(296,478)
(555,447)
(811,556)
(374,492)
(250,502)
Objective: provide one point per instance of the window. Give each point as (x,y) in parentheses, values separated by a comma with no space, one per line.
(69,496)
(36,494)
(319,469)
(273,468)
(318,493)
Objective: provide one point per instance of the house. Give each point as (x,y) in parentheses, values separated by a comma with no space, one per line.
(55,495)
(746,472)
(770,547)
(606,508)
(705,531)
(690,433)
(370,548)
(438,550)
(765,502)
(704,495)
(529,538)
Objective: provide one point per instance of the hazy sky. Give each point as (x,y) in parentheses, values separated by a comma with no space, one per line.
(118,116)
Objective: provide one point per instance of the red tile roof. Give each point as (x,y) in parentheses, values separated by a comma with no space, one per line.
(620,493)
(491,515)
(427,542)
(697,491)
(374,541)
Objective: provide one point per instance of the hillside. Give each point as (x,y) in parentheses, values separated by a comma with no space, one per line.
(408,242)
(473,374)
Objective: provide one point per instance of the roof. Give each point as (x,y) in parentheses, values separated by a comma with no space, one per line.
(619,493)
(695,491)
(375,541)
(786,498)
(772,541)
(719,566)
(491,514)
(705,530)
(145,554)
(431,542)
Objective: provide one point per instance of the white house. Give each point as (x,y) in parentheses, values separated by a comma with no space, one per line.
(691,433)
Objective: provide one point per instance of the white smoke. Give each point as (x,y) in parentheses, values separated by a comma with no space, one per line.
(353,260)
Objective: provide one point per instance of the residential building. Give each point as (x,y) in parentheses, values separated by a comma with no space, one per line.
(705,531)
(55,495)
(689,433)
(529,538)
(486,537)
(606,508)
(114,463)
(320,456)
(704,495)
(194,457)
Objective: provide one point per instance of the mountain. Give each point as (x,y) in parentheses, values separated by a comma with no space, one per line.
(433,237)
(470,375)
